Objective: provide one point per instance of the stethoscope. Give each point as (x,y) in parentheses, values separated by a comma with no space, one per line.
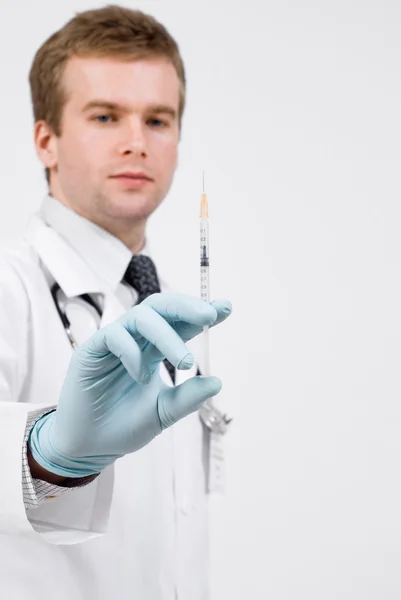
(55,289)
(210,415)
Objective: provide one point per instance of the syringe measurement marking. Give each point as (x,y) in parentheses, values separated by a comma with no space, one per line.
(204,287)
(204,260)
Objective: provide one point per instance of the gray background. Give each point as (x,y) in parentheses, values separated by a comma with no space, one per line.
(294,112)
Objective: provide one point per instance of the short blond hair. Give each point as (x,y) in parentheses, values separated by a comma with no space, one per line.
(112,32)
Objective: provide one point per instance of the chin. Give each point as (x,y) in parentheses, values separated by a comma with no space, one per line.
(132,206)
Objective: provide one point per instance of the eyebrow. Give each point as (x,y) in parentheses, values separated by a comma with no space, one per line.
(154,109)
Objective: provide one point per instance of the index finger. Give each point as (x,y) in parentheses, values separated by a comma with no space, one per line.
(180,307)
(145,322)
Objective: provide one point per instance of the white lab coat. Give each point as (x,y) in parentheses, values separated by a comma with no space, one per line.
(139,531)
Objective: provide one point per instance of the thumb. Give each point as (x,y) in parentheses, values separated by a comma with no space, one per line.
(175,403)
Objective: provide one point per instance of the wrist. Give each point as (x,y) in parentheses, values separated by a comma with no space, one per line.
(48,463)
(38,472)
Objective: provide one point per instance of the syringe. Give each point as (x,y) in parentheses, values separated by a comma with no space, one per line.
(213,418)
(204,272)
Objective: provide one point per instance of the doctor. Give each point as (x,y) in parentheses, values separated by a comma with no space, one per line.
(101,498)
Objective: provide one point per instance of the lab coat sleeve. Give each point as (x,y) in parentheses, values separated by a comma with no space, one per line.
(69,519)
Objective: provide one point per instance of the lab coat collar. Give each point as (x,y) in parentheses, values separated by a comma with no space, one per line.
(81,256)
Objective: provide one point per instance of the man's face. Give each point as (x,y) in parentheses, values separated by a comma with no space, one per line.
(119,117)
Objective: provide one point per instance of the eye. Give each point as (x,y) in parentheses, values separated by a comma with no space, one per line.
(104,118)
(158,122)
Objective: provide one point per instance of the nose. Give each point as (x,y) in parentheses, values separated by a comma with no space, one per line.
(134,139)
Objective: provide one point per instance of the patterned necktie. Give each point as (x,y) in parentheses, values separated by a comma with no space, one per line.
(141,274)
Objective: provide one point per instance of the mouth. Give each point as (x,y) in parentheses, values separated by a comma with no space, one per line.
(132,180)
(132,175)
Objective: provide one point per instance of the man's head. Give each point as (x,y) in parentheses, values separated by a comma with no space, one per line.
(108,94)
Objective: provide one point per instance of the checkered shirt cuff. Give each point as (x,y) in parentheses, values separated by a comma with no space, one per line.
(35,491)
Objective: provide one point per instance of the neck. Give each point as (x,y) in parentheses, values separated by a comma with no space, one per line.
(131,232)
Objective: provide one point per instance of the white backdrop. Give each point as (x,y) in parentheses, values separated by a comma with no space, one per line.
(294,112)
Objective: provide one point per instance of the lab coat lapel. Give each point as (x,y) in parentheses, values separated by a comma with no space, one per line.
(64,264)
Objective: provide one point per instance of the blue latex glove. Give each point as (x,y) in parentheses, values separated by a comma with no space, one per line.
(113,401)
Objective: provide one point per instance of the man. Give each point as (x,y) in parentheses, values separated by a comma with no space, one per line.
(112,503)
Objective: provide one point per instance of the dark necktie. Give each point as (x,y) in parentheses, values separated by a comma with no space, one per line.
(141,274)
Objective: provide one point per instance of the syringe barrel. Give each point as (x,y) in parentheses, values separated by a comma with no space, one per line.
(204,259)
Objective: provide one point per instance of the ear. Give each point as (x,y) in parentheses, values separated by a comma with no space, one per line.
(45,144)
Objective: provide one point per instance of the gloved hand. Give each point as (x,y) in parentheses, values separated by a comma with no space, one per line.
(113,401)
